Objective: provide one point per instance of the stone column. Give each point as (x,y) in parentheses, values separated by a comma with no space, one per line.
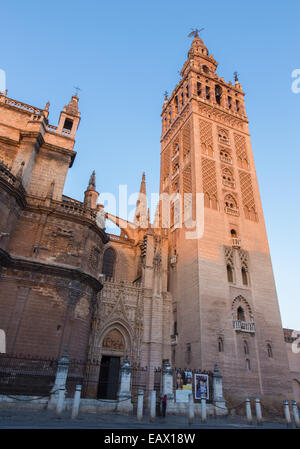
(140,405)
(76,402)
(191,410)
(218,399)
(248,411)
(167,382)
(203,409)
(287,413)
(296,413)
(60,380)
(258,411)
(60,405)
(153,406)
(124,395)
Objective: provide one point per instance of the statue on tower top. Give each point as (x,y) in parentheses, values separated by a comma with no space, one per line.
(195,32)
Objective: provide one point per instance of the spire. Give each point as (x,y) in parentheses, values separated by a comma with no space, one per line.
(92,181)
(143,184)
(141,217)
(91,195)
(72,107)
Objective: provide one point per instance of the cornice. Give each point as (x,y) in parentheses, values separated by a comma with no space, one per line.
(55,211)
(19,263)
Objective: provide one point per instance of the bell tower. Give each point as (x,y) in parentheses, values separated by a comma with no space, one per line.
(225,307)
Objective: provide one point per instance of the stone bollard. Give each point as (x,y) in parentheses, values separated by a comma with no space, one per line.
(124,395)
(153,406)
(60,380)
(76,402)
(191,409)
(258,411)
(296,413)
(167,381)
(140,404)
(218,399)
(203,409)
(287,413)
(60,402)
(248,411)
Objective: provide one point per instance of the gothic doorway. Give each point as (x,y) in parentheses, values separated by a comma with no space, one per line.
(109,377)
(113,352)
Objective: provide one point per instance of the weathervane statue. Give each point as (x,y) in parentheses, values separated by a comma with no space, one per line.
(195,32)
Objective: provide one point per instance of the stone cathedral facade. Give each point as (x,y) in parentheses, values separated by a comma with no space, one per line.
(150,294)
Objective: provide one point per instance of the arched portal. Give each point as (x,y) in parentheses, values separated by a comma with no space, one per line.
(114,346)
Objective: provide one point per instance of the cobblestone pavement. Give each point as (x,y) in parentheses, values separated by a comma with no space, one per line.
(44,419)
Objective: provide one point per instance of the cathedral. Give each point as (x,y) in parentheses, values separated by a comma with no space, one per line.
(157,291)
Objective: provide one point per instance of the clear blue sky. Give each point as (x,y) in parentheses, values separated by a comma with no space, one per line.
(125,54)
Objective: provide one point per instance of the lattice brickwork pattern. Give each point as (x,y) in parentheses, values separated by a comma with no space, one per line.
(229,256)
(187,179)
(247,190)
(240,146)
(186,138)
(166,163)
(209,177)
(206,136)
(243,258)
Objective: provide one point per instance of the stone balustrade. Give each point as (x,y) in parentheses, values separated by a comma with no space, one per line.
(244,326)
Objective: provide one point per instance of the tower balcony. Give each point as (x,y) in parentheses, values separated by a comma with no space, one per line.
(174,339)
(231,211)
(229,183)
(244,326)
(236,242)
(226,159)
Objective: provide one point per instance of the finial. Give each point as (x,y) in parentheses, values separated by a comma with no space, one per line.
(47,106)
(92,181)
(195,32)
(77,89)
(166,95)
(236,77)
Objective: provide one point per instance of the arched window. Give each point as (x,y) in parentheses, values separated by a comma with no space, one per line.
(225,156)
(230,205)
(214,202)
(227,178)
(248,367)
(210,151)
(244,276)
(229,273)
(206,200)
(241,314)
(218,93)
(246,347)
(220,344)
(109,260)
(269,350)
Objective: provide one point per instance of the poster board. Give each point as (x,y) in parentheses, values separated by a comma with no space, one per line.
(184,385)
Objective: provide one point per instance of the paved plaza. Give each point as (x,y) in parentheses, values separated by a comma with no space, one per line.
(44,419)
